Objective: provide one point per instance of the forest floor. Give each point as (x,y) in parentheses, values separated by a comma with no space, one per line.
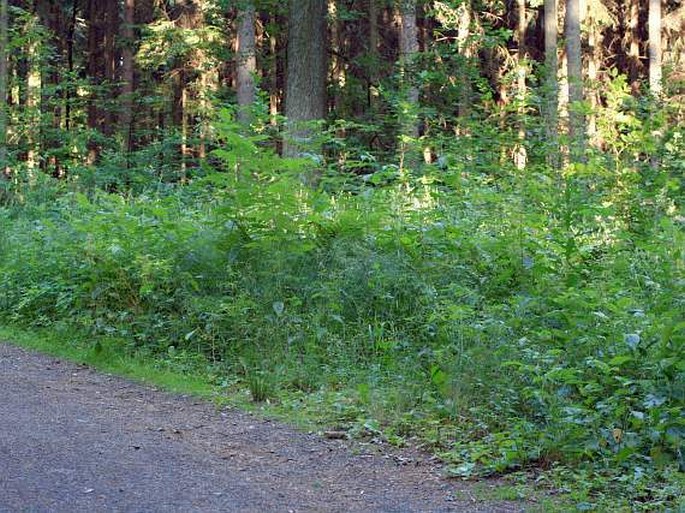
(73,439)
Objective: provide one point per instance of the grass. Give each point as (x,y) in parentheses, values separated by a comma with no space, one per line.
(106,357)
(546,492)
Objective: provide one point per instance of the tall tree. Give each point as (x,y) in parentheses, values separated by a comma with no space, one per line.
(409,48)
(3,86)
(305,96)
(575,80)
(246,62)
(374,57)
(127,75)
(520,155)
(655,46)
(633,34)
(103,26)
(551,97)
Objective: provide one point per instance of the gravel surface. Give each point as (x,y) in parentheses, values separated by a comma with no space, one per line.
(75,440)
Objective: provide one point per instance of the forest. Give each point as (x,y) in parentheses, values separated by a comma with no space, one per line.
(452,224)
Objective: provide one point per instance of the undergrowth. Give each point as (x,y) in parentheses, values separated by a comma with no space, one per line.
(524,322)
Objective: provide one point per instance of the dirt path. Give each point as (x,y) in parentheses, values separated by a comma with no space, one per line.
(74,440)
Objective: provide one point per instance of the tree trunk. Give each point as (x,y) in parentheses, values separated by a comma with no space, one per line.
(466,50)
(33,102)
(520,154)
(246,64)
(4,53)
(409,48)
(127,76)
(373,48)
(594,34)
(575,81)
(305,97)
(634,44)
(551,97)
(103,25)
(655,47)
(69,92)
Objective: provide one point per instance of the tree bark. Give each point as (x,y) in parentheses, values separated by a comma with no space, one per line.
(305,97)
(520,154)
(409,48)
(575,81)
(127,76)
(34,84)
(246,63)
(466,50)
(634,44)
(655,47)
(103,26)
(4,52)
(551,97)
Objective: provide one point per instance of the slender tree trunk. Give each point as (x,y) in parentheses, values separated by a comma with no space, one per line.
(33,103)
(246,63)
(409,48)
(4,53)
(551,101)
(275,94)
(593,35)
(655,47)
(634,44)
(575,81)
(336,64)
(373,48)
(466,50)
(127,76)
(69,89)
(103,25)
(305,97)
(520,154)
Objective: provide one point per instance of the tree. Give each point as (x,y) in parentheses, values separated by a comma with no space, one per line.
(127,75)
(103,26)
(3,86)
(633,29)
(551,97)
(576,123)
(409,48)
(246,62)
(655,47)
(305,96)
(520,154)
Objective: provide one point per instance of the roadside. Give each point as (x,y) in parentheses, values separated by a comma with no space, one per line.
(73,439)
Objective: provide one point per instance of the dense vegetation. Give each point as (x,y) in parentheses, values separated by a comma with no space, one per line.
(510,297)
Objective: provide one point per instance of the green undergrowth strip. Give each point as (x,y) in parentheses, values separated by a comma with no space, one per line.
(106,356)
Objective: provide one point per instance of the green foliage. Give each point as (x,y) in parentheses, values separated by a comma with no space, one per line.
(509,319)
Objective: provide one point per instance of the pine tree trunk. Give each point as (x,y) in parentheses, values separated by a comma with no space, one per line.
(127,76)
(246,63)
(593,36)
(409,48)
(466,50)
(103,25)
(551,97)
(305,97)
(655,47)
(520,155)
(575,81)
(634,44)
(33,103)
(373,48)
(4,53)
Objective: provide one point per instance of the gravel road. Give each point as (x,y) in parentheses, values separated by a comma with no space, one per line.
(75,440)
